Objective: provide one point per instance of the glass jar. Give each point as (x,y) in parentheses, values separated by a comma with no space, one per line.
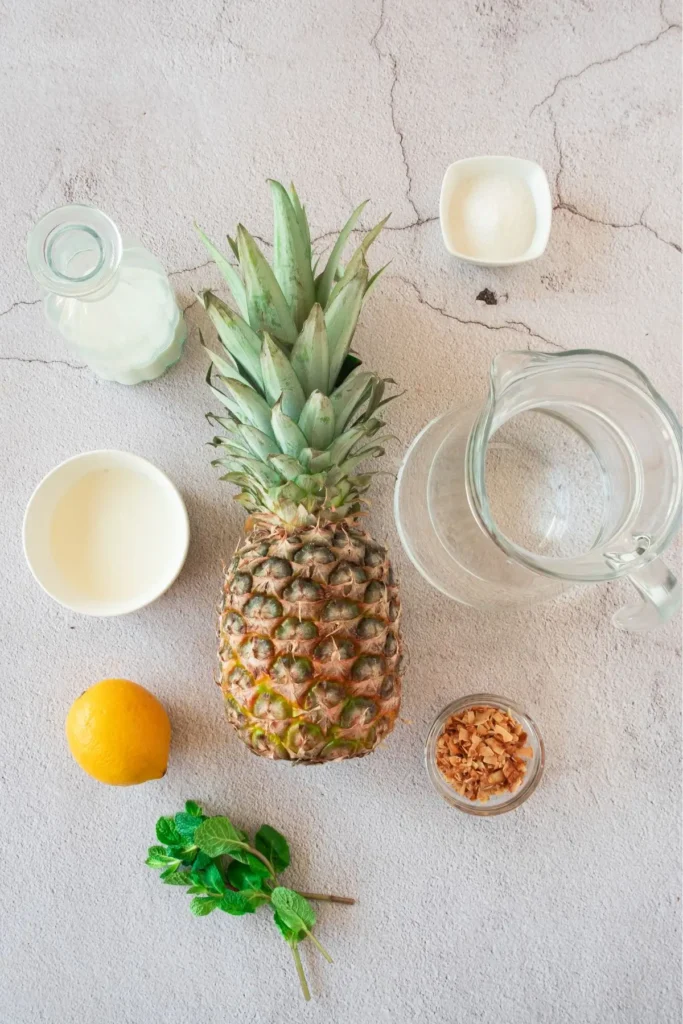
(505,801)
(108,296)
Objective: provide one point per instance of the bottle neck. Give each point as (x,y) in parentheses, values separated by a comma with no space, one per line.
(74,251)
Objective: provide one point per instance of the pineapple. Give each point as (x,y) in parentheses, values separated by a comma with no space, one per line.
(310,647)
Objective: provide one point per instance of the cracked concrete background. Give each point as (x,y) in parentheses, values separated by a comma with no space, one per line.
(568,910)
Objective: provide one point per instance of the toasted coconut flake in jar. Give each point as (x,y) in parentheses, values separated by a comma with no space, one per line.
(482,752)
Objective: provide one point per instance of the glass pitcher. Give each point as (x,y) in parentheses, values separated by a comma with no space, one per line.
(570,473)
(108,296)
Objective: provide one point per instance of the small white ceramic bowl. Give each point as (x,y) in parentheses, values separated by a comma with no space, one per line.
(105,533)
(491,172)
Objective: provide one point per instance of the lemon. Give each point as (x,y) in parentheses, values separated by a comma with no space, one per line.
(119,733)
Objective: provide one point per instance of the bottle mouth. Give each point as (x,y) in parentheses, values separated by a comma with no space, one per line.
(74,250)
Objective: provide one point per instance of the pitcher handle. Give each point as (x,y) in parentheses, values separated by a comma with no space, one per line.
(661,598)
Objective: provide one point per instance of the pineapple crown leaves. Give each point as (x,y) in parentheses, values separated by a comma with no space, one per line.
(300,410)
(223,870)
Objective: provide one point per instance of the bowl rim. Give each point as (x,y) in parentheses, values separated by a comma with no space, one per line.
(447,793)
(134,461)
(493,159)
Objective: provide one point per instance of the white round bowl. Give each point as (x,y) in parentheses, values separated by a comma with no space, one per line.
(105,533)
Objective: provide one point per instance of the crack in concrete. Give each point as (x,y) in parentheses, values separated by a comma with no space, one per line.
(600,63)
(45,362)
(20,302)
(562,204)
(398,132)
(420,222)
(516,326)
(617,226)
(669,24)
(188,270)
(373,41)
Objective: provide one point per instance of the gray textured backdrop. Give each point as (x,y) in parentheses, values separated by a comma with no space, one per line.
(566,912)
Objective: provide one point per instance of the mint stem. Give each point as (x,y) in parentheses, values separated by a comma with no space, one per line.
(320,947)
(263,859)
(324,896)
(300,972)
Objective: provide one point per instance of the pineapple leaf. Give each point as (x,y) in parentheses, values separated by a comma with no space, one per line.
(350,395)
(287,466)
(233,245)
(258,443)
(372,281)
(280,380)
(341,318)
(267,306)
(228,402)
(225,368)
(317,420)
(251,407)
(344,444)
(302,220)
(291,260)
(226,268)
(319,461)
(327,278)
(230,454)
(243,344)
(357,258)
(310,355)
(287,433)
(264,474)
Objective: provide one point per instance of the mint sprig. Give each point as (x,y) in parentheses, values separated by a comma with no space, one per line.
(224,871)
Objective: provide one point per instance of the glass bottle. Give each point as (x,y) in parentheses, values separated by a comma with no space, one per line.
(108,296)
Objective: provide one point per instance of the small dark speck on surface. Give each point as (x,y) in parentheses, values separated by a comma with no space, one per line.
(487,296)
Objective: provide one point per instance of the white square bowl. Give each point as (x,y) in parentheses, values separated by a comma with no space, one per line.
(457,181)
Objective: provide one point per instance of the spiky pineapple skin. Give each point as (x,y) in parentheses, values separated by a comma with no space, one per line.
(310,647)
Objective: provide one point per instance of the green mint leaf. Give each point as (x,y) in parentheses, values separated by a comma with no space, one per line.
(176,878)
(273,845)
(213,879)
(167,833)
(250,875)
(197,888)
(216,836)
(236,903)
(290,935)
(202,905)
(186,826)
(171,870)
(186,854)
(293,909)
(201,861)
(158,858)
(193,808)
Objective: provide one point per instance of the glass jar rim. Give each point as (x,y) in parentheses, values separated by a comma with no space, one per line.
(80,225)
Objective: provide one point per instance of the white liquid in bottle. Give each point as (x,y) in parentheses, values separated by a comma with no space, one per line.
(109,297)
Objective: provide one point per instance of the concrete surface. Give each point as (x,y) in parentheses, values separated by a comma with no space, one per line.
(566,912)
